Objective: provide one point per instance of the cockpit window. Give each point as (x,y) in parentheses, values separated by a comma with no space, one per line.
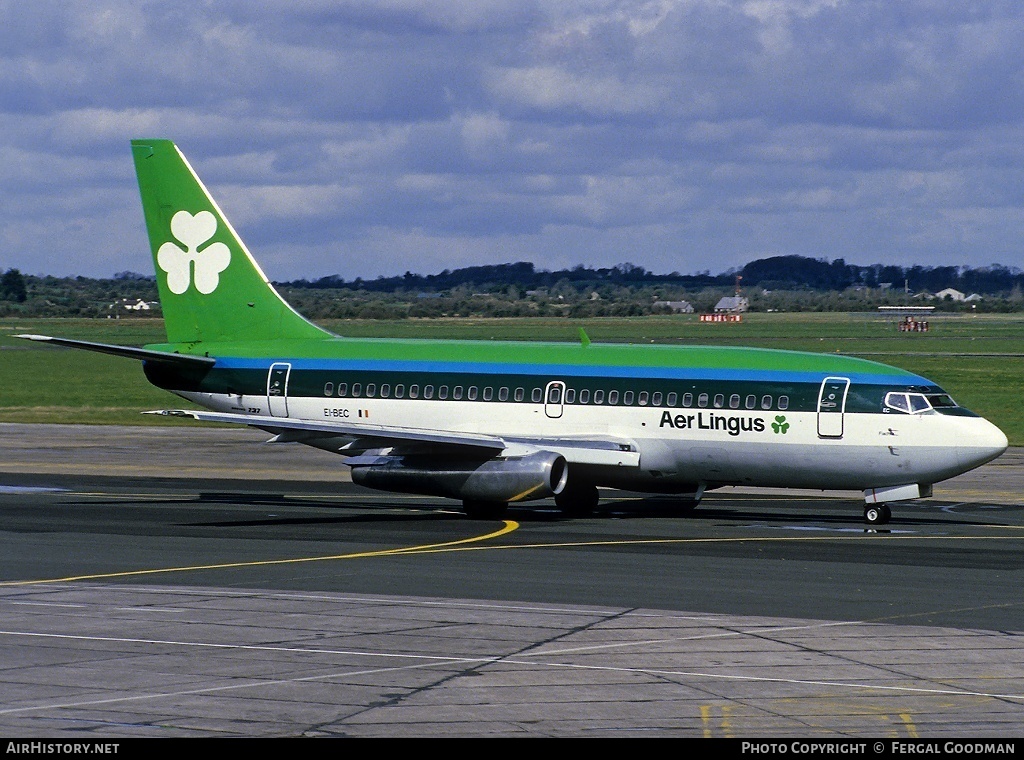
(916,403)
(897,402)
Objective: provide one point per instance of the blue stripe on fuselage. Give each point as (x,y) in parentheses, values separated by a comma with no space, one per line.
(570,370)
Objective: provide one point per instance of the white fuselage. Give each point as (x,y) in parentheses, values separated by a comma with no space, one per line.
(678,446)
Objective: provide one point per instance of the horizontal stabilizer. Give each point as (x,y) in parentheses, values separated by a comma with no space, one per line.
(143,354)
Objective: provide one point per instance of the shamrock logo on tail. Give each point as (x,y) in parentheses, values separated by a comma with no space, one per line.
(780,425)
(192,231)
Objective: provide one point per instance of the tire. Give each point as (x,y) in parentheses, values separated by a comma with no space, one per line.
(877,514)
(577,501)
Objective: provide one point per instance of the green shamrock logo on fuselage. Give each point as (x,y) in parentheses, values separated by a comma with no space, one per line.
(780,425)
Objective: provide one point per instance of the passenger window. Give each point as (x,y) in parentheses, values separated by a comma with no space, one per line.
(488,393)
(537,395)
(570,395)
(766,402)
(783,403)
(342,389)
(719,400)
(734,401)
(598,397)
(385,391)
(472,393)
(442,392)
(627,398)
(584,396)
(414,391)
(643,398)
(428,391)
(457,392)
(329,389)
(503,394)
(702,399)
(750,402)
(613,397)
(656,399)
(520,394)
(371,390)
(357,389)
(399,391)
(672,397)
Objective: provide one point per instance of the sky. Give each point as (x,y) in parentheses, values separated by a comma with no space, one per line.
(369,138)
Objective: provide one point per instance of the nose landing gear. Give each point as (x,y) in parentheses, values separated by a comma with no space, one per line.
(877,514)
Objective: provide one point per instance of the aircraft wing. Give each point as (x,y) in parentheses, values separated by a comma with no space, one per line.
(591,450)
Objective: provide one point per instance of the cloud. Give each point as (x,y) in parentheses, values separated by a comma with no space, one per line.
(394,135)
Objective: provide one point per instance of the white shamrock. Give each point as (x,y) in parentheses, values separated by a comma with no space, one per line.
(192,232)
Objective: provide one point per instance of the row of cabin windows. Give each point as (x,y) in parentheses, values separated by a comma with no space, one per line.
(585,396)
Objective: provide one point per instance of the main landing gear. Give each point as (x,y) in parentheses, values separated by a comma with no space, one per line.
(578,500)
(877,514)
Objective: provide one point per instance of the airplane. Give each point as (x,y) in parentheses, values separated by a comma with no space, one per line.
(495,423)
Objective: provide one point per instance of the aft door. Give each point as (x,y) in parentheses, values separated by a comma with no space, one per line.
(832,406)
(277,389)
(554,398)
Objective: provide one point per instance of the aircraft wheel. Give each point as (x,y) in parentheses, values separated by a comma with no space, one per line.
(484,510)
(877,514)
(577,501)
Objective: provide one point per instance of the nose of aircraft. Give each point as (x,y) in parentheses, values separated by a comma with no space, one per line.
(980,443)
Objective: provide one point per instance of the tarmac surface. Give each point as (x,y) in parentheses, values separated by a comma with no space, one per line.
(166,582)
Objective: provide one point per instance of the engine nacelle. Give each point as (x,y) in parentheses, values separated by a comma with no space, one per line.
(501,479)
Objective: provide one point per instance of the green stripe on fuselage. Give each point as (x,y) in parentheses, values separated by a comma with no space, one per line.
(242,369)
(514,355)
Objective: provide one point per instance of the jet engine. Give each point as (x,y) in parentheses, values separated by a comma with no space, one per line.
(499,479)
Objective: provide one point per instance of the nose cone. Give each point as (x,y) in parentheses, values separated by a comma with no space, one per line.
(981,442)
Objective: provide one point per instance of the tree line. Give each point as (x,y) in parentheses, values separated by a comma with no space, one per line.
(776,272)
(780,283)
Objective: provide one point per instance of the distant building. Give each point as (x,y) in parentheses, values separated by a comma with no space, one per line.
(952,293)
(955,295)
(732,305)
(133,304)
(676,307)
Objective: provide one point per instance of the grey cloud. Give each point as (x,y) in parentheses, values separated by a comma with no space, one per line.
(681,136)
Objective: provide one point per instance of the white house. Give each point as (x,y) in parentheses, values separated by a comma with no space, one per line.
(952,293)
(732,304)
(676,307)
(133,304)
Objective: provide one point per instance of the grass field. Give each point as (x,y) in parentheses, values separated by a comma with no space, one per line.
(979,359)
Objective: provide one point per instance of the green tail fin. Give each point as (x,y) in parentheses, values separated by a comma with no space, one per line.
(211,288)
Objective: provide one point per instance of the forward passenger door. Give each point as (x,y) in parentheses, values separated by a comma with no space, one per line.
(832,406)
